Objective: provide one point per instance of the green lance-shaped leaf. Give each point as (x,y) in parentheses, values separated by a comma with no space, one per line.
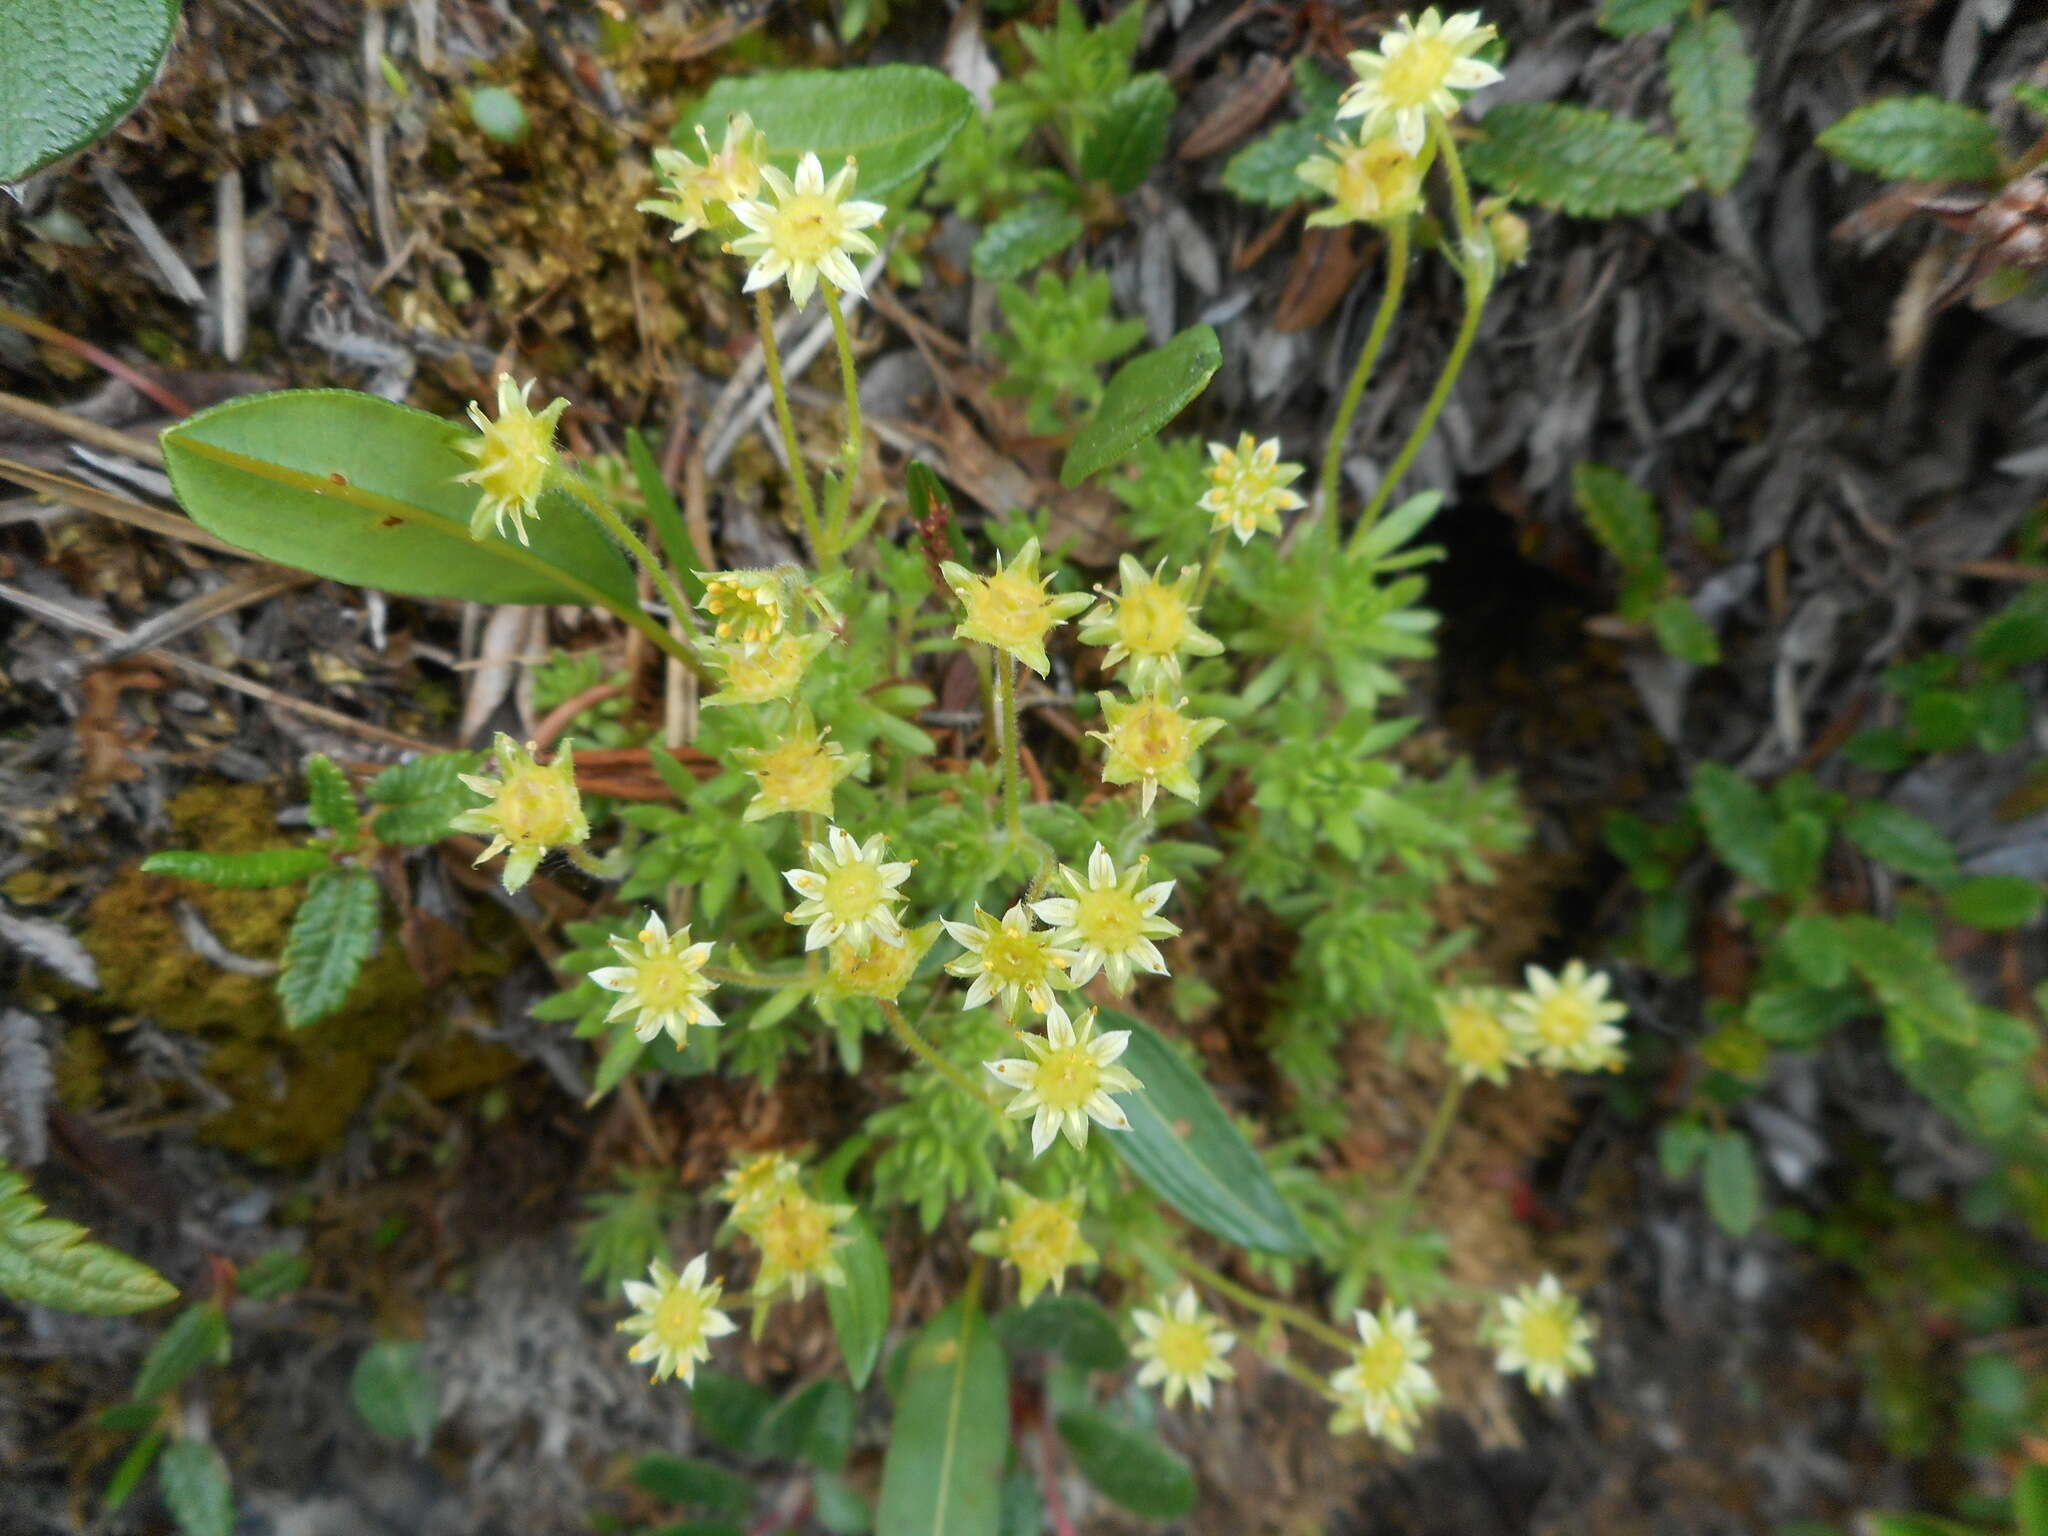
(1620,514)
(1738,819)
(48,1262)
(255,871)
(1910,844)
(1712,76)
(943,1470)
(331,936)
(395,1392)
(1624,18)
(893,119)
(1729,1181)
(70,70)
(1995,901)
(360,490)
(1916,138)
(1913,984)
(1184,1146)
(1127,1465)
(197,1337)
(860,1308)
(196,1489)
(1577,160)
(1141,397)
(1023,238)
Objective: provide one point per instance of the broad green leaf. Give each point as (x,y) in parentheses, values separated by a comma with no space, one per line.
(355,488)
(130,1472)
(255,871)
(1682,633)
(671,537)
(693,1484)
(1813,943)
(943,1468)
(2030,1501)
(49,1262)
(893,119)
(274,1274)
(1729,1181)
(1680,1145)
(70,70)
(1795,850)
(1619,513)
(1738,821)
(197,1336)
(1142,396)
(331,803)
(1184,1146)
(1910,978)
(1264,171)
(498,114)
(421,797)
(1917,138)
(839,1506)
(1800,1018)
(331,936)
(2017,635)
(1577,160)
(860,1308)
(1905,842)
(1624,18)
(813,1425)
(1073,1327)
(395,1391)
(1712,75)
(2001,1098)
(728,1410)
(196,1489)
(1126,1465)
(1129,136)
(1024,237)
(1994,901)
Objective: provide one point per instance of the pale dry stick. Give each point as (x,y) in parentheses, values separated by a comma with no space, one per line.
(177,275)
(250,584)
(82,429)
(231,274)
(61,489)
(382,211)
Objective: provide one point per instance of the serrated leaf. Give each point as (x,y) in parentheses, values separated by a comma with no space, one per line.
(1916,138)
(1897,838)
(693,1484)
(1712,76)
(331,804)
(1995,902)
(1682,633)
(1129,135)
(1183,1145)
(1738,821)
(1577,160)
(1813,942)
(364,491)
(435,773)
(260,870)
(1075,1328)
(332,934)
(1625,18)
(1619,513)
(1141,397)
(70,70)
(1023,238)
(1264,171)
(196,1489)
(395,1392)
(197,1336)
(1910,979)
(1729,1181)
(860,1308)
(48,1262)
(1126,1465)
(943,1469)
(892,119)
(1800,1018)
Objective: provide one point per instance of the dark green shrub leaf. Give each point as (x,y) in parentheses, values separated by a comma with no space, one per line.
(1126,1465)
(1712,75)
(1142,396)
(1264,170)
(1683,633)
(240,871)
(1814,945)
(1680,1146)
(1073,1327)
(1994,901)
(1624,18)
(1916,138)
(422,796)
(1620,514)
(2030,1501)
(1738,821)
(1914,985)
(1129,136)
(813,1425)
(197,1336)
(693,1484)
(728,1411)
(1730,1183)
(196,1489)
(331,936)
(893,119)
(1794,852)
(395,1392)
(944,1465)
(1800,1018)
(1023,238)
(48,1262)
(130,1472)
(2001,1098)
(1577,160)
(839,1506)
(272,1275)
(355,488)
(860,1308)
(1184,1146)
(498,114)
(1902,841)
(70,70)
(2015,636)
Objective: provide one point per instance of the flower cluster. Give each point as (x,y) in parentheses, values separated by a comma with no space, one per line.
(1562,1023)
(798,1235)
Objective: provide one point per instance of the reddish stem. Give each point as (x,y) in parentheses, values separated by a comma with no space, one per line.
(92,354)
(1049,1483)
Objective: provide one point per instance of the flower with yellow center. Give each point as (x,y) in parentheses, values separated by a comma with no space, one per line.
(513,456)
(1391,1422)
(746,607)
(1150,623)
(1386,1374)
(1066,1079)
(1012,959)
(849,892)
(1011,610)
(807,231)
(1541,1332)
(880,971)
(699,195)
(676,1317)
(532,808)
(1418,71)
(1152,743)
(798,773)
(1566,1022)
(1477,1040)
(1248,487)
(799,1238)
(762,674)
(1376,182)
(756,1184)
(1041,1237)
(1108,921)
(661,985)
(1184,1347)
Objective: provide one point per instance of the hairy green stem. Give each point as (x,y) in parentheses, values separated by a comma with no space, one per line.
(756,981)
(849,452)
(1426,1155)
(594,501)
(1210,557)
(1368,357)
(1013,749)
(771,359)
(921,1048)
(1281,1312)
